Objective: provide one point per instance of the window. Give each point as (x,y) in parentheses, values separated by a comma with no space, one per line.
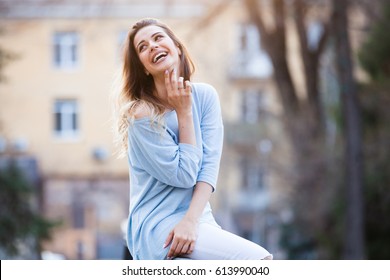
(250,59)
(249,39)
(80,247)
(65,49)
(252,105)
(78,218)
(66,118)
(252,174)
(78,210)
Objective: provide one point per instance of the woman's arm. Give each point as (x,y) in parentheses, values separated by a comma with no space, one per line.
(179,97)
(183,235)
(212,135)
(156,152)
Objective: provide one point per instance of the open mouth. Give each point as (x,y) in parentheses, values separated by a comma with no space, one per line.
(159,56)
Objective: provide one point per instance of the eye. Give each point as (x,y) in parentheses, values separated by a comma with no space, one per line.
(158,37)
(141,48)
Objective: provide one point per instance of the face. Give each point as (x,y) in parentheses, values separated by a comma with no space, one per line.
(156,50)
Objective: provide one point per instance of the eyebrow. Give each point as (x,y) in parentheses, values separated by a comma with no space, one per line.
(154,34)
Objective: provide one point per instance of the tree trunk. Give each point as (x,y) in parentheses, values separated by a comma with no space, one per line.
(303,120)
(354,225)
(275,45)
(310,60)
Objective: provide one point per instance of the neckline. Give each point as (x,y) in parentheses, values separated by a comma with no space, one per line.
(165,114)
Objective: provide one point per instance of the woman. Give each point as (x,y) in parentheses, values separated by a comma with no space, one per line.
(172,132)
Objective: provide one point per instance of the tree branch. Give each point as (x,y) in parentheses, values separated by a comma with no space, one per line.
(324,38)
(253,9)
(299,21)
(274,42)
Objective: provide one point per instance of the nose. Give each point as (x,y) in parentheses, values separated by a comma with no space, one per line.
(153,46)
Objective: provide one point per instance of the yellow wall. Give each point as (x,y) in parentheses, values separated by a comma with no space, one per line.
(34,83)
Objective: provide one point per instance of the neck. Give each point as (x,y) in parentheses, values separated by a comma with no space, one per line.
(161,90)
(159,84)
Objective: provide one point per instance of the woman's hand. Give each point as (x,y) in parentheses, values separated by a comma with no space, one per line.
(180,99)
(179,93)
(183,237)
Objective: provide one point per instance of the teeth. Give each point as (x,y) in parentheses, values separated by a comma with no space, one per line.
(158,56)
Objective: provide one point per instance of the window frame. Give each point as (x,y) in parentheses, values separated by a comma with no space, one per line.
(252,175)
(66,50)
(66,119)
(252,105)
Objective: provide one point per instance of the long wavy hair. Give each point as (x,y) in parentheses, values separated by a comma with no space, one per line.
(136,87)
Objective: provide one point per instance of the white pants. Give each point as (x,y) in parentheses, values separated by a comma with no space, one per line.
(214,243)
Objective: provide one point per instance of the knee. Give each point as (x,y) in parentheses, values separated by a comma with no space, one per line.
(269,257)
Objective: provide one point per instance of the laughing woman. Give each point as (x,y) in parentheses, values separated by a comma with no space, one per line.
(172,133)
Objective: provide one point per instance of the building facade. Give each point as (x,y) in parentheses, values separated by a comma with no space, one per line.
(55,107)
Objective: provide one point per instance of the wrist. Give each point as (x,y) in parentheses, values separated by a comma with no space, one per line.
(184,115)
(191,218)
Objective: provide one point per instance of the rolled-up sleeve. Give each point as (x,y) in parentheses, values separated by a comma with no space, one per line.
(155,151)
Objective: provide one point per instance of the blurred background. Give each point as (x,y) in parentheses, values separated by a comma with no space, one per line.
(304,89)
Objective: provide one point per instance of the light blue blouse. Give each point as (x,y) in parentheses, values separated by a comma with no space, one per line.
(163,172)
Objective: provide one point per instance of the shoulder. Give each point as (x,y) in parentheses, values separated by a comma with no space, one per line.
(141,110)
(204,88)
(207,99)
(204,92)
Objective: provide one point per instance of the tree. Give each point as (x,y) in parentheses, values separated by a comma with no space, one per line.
(18,221)
(304,119)
(354,231)
(374,55)
(374,58)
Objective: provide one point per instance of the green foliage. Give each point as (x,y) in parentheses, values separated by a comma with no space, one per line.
(374,54)
(331,239)
(297,243)
(374,57)
(17,219)
(376,117)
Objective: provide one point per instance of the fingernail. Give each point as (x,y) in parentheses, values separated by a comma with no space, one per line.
(166,71)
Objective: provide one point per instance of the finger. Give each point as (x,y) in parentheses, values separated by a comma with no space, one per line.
(168,240)
(167,80)
(180,85)
(172,249)
(188,87)
(179,249)
(185,248)
(192,247)
(173,80)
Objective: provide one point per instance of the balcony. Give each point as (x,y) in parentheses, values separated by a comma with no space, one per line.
(241,133)
(251,65)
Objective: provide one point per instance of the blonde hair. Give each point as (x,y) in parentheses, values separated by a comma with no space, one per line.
(135,88)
